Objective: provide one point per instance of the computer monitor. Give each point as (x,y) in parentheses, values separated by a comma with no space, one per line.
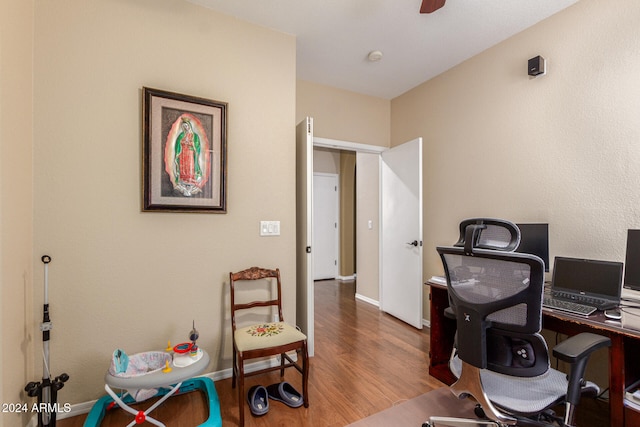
(632,261)
(589,277)
(534,239)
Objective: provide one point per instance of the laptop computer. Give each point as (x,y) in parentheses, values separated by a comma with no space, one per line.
(586,281)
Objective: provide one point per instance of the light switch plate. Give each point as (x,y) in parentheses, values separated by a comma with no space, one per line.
(269,228)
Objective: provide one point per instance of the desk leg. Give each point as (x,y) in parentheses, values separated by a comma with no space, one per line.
(616,380)
(441,336)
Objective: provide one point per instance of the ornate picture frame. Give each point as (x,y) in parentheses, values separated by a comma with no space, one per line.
(184,159)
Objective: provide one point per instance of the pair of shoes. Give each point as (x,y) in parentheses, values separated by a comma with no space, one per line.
(258,397)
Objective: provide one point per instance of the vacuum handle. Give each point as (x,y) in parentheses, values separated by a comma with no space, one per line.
(46,259)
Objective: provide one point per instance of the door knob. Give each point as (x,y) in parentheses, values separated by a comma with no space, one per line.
(414,243)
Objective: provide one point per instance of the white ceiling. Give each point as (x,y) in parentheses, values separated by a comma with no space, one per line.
(334,37)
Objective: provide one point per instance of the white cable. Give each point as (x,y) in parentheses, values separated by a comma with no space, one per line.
(45,362)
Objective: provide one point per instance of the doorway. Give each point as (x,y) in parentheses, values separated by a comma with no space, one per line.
(305,144)
(358,167)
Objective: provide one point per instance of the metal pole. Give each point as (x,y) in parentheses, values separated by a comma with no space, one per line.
(46,327)
(47,390)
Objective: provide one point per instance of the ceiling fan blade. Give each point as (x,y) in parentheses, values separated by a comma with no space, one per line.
(430,6)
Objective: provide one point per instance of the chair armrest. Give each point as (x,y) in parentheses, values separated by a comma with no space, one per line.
(576,351)
(580,346)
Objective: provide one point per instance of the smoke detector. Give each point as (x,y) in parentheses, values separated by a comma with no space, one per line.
(374,55)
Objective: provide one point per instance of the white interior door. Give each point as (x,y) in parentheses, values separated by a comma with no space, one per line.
(304,230)
(325,226)
(401,232)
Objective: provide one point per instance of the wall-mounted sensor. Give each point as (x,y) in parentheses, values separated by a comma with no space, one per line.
(537,66)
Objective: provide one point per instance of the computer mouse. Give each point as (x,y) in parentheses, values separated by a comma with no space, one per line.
(613,313)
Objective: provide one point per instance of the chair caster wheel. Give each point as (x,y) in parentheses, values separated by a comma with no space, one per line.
(479,412)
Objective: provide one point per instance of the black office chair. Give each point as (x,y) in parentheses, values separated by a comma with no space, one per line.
(500,358)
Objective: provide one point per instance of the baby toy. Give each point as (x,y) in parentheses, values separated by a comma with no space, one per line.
(193,336)
(189,347)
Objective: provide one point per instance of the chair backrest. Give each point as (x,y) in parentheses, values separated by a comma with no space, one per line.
(496,295)
(488,233)
(245,277)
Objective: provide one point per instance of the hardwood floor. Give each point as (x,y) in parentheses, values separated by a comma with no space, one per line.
(365,361)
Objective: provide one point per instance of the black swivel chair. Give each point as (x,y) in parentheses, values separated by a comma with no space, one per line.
(500,358)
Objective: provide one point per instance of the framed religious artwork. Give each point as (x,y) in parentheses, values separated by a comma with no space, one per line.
(184,159)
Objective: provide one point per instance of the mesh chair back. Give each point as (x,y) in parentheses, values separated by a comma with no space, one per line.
(497,298)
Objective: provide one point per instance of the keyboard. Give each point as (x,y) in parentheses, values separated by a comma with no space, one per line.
(568,306)
(598,303)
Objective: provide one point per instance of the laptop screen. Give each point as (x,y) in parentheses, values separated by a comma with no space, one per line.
(601,279)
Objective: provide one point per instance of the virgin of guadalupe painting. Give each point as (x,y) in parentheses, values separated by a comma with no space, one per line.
(186,155)
(184,161)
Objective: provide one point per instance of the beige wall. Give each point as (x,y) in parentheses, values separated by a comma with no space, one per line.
(562,148)
(125,279)
(326,160)
(347,264)
(367,239)
(343,115)
(16,206)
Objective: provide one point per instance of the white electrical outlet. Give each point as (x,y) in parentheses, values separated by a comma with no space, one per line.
(269,228)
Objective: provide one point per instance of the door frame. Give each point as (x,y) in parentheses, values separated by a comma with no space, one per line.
(304,231)
(347,145)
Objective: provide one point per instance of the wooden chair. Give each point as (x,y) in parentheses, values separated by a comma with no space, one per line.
(264,339)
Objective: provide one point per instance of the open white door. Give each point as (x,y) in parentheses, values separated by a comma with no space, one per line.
(401,232)
(304,229)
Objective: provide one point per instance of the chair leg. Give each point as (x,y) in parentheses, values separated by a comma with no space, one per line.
(282,360)
(471,383)
(234,372)
(240,392)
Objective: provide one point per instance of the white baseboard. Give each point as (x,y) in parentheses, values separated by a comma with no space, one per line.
(85,407)
(346,278)
(367,300)
(426,323)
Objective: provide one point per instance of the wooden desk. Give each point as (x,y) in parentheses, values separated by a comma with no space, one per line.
(622,371)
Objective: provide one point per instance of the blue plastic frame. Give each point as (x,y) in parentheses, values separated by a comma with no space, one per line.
(204,384)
